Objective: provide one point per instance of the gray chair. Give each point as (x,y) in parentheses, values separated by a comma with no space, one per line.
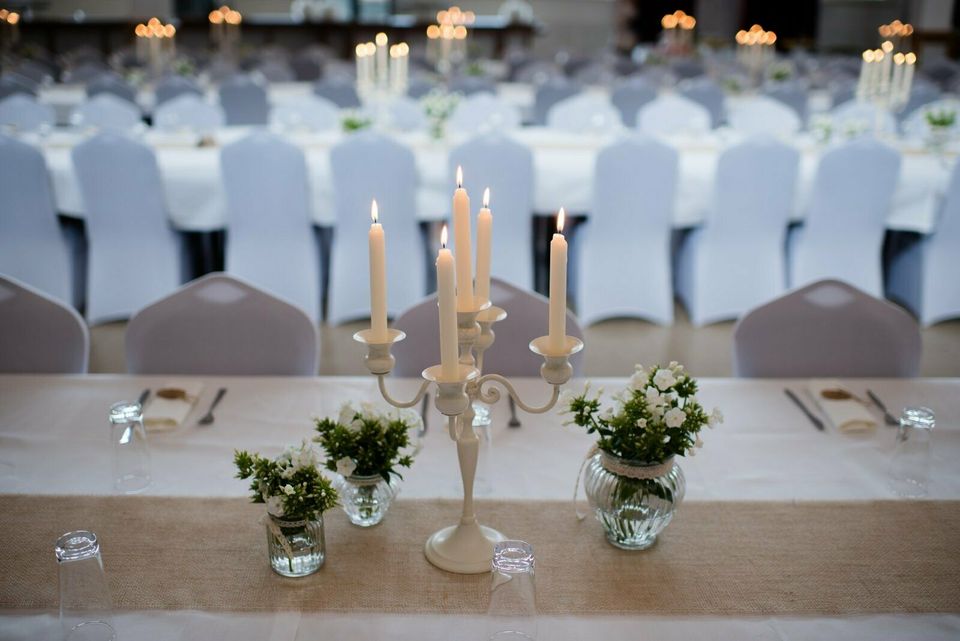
(794,94)
(111,83)
(24,113)
(12,84)
(106,111)
(219,325)
(39,334)
(469,85)
(174,86)
(339,91)
(826,329)
(244,101)
(189,112)
(549,94)
(629,96)
(709,94)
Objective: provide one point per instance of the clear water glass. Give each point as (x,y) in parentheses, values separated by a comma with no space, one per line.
(85,603)
(131,457)
(512,613)
(296,547)
(481,414)
(910,465)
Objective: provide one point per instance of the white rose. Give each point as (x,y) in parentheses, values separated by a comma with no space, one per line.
(346,466)
(275,505)
(674,417)
(664,379)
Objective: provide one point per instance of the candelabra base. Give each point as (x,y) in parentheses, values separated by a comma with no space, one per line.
(463,548)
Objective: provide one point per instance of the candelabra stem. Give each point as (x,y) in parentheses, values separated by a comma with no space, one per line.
(492,395)
(468,446)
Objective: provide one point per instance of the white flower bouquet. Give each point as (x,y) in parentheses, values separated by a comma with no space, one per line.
(291,484)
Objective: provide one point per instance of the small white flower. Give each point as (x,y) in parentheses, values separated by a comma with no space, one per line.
(347,412)
(566,396)
(275,505)
(674,417)
(699,443)
(664,379)
(666,438)
(715,418)
(346,466)
(288,489)
(641,422)
(654,399)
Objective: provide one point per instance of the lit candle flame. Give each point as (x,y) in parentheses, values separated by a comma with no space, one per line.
(374,212)
(561,216)
(899,58)
(459,177)
(381,39)
(887,46)
(443,238)
(868,55)
(486,198)
(911,58)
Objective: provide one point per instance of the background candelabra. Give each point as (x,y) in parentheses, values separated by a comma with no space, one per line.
(156,45)
(756,49)
(447,40)
(382,71)
(885,80)
(467,547)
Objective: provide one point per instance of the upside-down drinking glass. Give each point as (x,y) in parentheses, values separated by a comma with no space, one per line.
(910,465)
(85,603)
(512,613)
(131,458)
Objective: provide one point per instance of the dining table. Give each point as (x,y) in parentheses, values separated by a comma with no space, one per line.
(786,531)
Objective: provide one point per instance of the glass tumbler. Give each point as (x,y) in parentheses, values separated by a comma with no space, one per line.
(512,613)
(84,594)
(910,465)
(131,458)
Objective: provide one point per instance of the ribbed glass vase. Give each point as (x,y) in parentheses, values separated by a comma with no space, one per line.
(296,547)
(633,511)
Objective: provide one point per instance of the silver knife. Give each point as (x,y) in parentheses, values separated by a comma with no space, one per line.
(888,418)
(813,419)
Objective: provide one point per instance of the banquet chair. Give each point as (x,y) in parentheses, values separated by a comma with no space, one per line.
(419,87)
(111,83)
(39,334)
(506,167)
(189,112)
(923,93)
(307,66)
(709,94)
(244,101)
(108,112)
(83,72)
(842,90)
(854,118)
(762,115)
(827,329)
(736,261)
(630,96)
(510,353)
(270,239)
(550,93)
(339,91)
(673,114)
(687,69)
(924,275)
(219,325)
(842,234)
(135,256)
(12,84)
(307,112)
(483,113)
(24,113)
(634,189)
(470,85)
(405,114)
(391,180)
(174,86)
(794,94)
(33,249)
(584,113)
(275,70)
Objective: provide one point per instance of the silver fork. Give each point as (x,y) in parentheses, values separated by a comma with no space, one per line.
(208,417)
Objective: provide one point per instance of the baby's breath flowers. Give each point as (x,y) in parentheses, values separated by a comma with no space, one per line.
(291,484)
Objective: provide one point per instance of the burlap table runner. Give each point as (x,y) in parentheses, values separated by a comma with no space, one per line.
(714,559)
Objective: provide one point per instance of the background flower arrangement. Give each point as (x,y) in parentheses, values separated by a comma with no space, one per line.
(291,484)
(365,442)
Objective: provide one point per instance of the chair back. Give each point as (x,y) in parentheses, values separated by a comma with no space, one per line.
(308,112)
(855,118)
(270,239)
(923,93)
(174,86)
(550,93)
(469,85)
(915,125)
(111,83)
(392,180)
(190,112)
(339,91)
(244,101)
(39,334)
(792,93)
(629,96)
(506,167)
(405,114)
(12,84)
(483,113)
(585,112)
(826,329)
(107,112)
(709,94)
(32,247)
(763,115)
(219,325)
(673,114)
(22,112)
(276,71)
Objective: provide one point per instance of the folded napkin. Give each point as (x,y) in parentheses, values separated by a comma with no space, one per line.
(170,404)
(844,409)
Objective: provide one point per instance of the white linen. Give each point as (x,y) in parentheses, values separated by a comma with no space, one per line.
(845,414)
(53,438)
(169,411)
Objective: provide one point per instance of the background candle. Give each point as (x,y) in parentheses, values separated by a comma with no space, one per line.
(378,278)
(447,303)
(461,231)
(484,232)
(381,40)
(558,288)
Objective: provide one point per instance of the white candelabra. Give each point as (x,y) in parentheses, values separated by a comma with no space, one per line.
(756,49)
(382,73)
(885,80)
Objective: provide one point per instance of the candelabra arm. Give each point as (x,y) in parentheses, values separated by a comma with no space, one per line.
(401,404)
(492,395)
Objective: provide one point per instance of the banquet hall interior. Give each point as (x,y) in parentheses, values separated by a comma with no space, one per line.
(433,223)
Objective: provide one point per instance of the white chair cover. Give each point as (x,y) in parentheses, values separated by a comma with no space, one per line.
(244,101)
(923,93)
(108,112)
(510,354)
(39,334)
(483,113)
(673,114)
(357,180)
(827,329)
(584,113)
(134,255)
(843,232)
(763,115)
(111,83)
(308,112)
(339,91)
(23,113)
(924,275)
(506,167)
(276,71)
(550,93)
(634,187)
(174,86)
(793,93)
(219,325)
(915,125)
(630,96)
(406,114)
(12,84)
(270,239)
(736,261)
(189,112)
(854,118)
(469,85)
(32,247)
(708,94)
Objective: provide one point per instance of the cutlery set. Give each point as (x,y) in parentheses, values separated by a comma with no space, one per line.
(171,393)
(839,394)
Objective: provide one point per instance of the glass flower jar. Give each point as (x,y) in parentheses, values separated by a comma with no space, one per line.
(633,500)
(366,499)
(296,547)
